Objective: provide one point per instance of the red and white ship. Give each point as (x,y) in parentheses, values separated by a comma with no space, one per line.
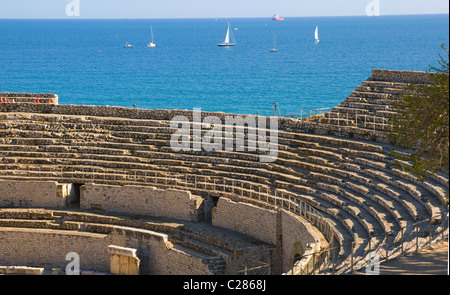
(276,17)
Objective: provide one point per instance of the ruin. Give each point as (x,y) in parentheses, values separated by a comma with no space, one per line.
(105,183)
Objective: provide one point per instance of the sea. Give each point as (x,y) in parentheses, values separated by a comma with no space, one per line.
(85,62)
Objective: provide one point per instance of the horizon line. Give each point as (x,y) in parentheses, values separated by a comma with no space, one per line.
(232,17)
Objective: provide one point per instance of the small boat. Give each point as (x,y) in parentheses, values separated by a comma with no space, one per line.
(127,45)
(151,44)
(229,38)
(317,35)
(275,17)
(274,49)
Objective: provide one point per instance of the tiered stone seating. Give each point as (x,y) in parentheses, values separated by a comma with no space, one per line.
(355,185)
(368,106)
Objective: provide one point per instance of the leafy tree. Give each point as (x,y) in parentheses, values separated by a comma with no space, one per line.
(422,121)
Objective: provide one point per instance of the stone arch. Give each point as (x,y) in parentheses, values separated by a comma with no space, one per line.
(297,250)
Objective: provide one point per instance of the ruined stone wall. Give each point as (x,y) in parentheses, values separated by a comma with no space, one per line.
(33,194)
(49,248)
(142,200)
(299,238)
(106,111)
(249,219)
(157,254)
(291,234)
(43,98)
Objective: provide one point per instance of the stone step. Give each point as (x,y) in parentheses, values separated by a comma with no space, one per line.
(384,84)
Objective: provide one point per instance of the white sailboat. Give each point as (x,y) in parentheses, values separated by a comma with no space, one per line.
(127,45)
(229,38)
(151,44)
(317,35)
(274,49)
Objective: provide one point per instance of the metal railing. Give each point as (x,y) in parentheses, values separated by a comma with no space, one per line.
(391,245)
(305,113)
(255,263)
(370,122)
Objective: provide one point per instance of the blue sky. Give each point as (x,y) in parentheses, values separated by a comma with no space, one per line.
(213,8)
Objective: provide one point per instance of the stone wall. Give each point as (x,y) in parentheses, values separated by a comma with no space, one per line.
(106,111)
(142,200)
(34,194)
(290,234)
(43,98)
(401,76)
(48,248)
(249,219)
(299,237)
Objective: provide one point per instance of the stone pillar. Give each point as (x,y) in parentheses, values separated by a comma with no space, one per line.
(123,261)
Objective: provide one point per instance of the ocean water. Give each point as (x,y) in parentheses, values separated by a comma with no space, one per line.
(84,61)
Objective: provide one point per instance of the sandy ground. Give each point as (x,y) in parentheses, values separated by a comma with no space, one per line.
(425,262)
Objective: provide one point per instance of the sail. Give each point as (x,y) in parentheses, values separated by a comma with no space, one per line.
(317,34)
(151,44)
(233,40)
(227,38)
(274,49)
(151,27)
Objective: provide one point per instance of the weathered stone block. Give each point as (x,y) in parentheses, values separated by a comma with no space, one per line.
(124,261)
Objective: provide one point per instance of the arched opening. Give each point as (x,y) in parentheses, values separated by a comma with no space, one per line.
(297,252)
(297,257)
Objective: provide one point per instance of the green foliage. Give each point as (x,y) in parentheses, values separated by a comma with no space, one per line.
(422,121)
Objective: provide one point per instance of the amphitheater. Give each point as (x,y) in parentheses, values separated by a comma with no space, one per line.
(104,183)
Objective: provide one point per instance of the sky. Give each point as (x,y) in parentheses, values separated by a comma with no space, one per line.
(212,8)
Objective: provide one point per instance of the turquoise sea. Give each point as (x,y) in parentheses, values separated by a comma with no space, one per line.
(85,62)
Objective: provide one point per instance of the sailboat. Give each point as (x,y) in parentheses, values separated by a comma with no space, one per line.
(151,44)
(127,45)
(274,49)
(317,35)
(229,37)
